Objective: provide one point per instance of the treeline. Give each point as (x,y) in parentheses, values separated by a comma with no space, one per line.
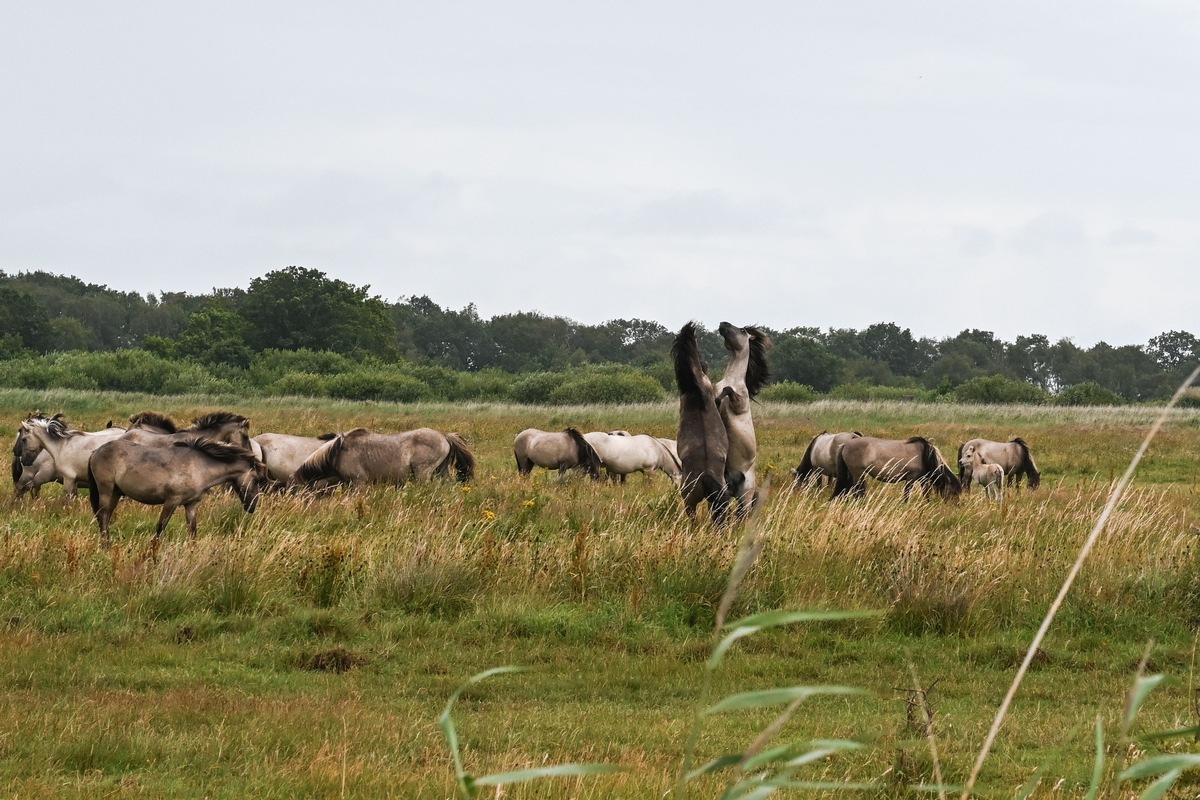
(297,331)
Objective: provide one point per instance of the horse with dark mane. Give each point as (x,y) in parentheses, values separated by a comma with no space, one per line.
(819,461)
(1013,456)
(151,427)
(70,449)
(746,374)
(170,476)
(363,456)
(911,462)
(560,450)
(702,443)
(284,453)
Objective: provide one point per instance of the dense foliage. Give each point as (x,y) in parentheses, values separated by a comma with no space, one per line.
(297,331)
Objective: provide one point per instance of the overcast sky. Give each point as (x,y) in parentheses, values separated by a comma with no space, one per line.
(1020,167)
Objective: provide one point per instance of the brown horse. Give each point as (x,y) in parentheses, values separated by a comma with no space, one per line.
(820,458)
(1013,456)
(362,456)
(560,450)
(703,442)
(910,461)
(746,374)
(173,476)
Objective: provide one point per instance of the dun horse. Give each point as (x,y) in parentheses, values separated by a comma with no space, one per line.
(911,462)
(173,476)
(150,427)
(621,454)
(820,459)
(1013,456)
(747,373)
(283,453)
(363,456)
(703,442)
(560,450)
(69,448)
(989,476)
(30,479)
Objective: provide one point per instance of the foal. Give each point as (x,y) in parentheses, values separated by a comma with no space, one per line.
(989,476)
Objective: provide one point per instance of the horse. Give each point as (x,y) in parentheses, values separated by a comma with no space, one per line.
(909,461)
(560,450)
(70,449)
(819,461)
(171,476)
(746,373)
(363,456)
(621,453)
(703,442)
(1014,456)
(989,476)
(150,427)
(283,453)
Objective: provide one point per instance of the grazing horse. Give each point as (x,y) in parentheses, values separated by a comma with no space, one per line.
(989,476)
(283,453)
(363,456)
(703,442)
(621,454)
(173,476)
(70,449)
(820,459)
(30,479)
(150,427)
(1013,456)
(747,373)
(910,462)
(560,450)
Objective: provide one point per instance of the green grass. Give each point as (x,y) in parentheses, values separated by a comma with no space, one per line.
(311,647)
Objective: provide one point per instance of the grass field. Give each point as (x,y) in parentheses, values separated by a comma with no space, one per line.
(308,649)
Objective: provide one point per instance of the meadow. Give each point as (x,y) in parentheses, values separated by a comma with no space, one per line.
(308,649)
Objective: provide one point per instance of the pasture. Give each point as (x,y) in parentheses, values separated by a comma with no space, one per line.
(307,650)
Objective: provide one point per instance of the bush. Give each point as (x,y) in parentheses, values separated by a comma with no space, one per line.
(789,392)
(998,389)
(607,386)
(301,384)
(1088,393)
(270,365)
(384,385)
(536,387)
(117,371)
(489,384)
(869,392)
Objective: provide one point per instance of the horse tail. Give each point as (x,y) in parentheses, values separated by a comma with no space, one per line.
(685,353)
(962,471)
(589,459)
(804,469)
(322,464)
(1027,464)
(16,470)
(939,475)
(461,457)
(844,481)
(93,490)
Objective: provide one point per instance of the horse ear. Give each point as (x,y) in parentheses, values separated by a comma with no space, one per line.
(245,425)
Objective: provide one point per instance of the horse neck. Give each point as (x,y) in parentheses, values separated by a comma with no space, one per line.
(735,373)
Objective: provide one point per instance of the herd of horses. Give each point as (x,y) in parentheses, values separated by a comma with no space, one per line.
(713,459)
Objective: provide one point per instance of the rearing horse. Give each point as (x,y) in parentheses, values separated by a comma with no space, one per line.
(702,442)
(747,373)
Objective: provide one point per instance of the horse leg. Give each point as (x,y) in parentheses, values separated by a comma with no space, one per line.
(164,518)
(524,467)
(190,512)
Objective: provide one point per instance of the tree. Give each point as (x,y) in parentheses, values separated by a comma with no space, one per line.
(1175,352)
(215,336)
(800,356)
(296,308)
(24,323)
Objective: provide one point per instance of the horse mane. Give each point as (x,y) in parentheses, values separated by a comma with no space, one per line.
(322,463)
(154,419)
(685,352)
(220,451)
(758,371)
(589,459)
(1027,464)
(461,457)
(216,419)
(935,468)
(57,428)
(325,437)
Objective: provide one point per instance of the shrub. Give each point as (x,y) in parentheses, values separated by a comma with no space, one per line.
(301,384)
(489,384)
(536,387)
(384,385)
(789,392)
(866,391)
(271,365)
(607,386)
(1088,393)
(998,389)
